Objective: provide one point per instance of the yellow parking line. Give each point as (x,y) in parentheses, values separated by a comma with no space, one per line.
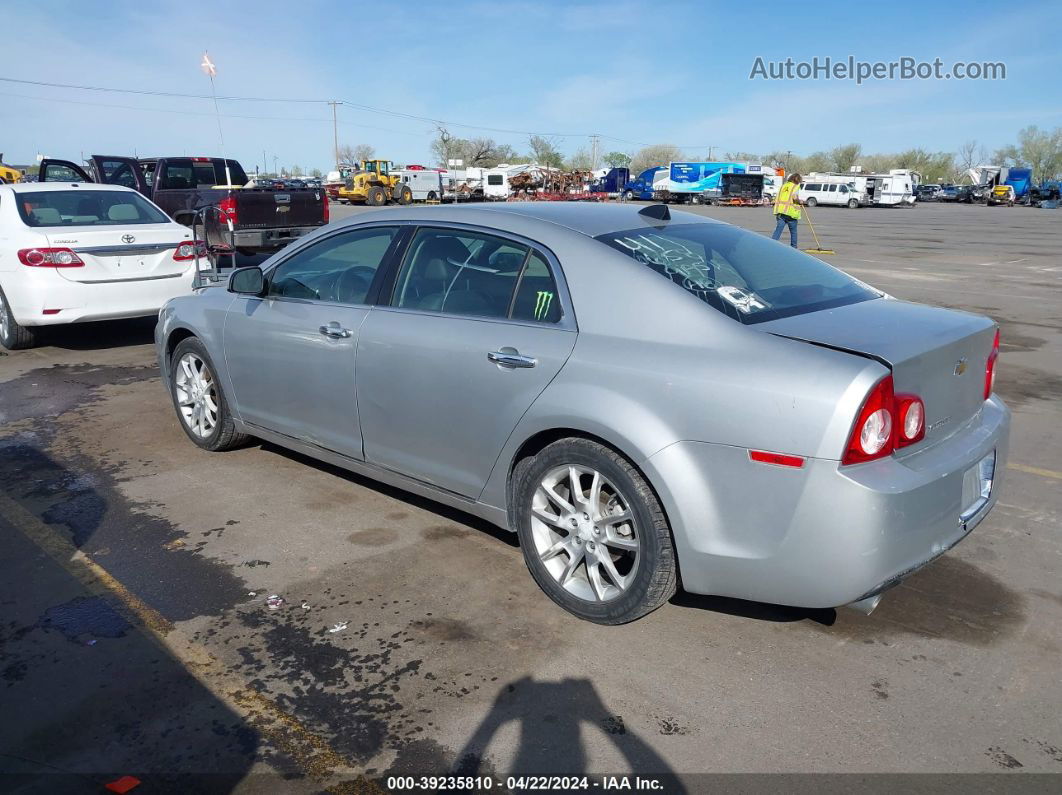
(311,752)
(1044,473)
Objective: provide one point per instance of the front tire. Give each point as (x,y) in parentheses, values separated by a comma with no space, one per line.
(812,201)
(853,204)
(13,336)
(200,403)
(593,533)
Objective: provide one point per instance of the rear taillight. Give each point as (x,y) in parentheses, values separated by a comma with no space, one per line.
(49,258)
(911,414)
(872,435)
(186,251)
(990,367)
(326,208)
(886,422)
(227,206)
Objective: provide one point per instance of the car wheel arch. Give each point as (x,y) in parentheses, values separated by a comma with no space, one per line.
(538,441)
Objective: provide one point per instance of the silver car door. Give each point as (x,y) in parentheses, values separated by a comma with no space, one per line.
(290,355)
(475,330)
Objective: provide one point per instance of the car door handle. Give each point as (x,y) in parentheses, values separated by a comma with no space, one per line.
(511,359)
(335,330)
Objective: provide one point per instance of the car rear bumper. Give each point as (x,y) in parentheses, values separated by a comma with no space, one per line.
(42,297)
(822,535)
(270,238)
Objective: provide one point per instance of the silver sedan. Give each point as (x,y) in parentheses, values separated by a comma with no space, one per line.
(649,400)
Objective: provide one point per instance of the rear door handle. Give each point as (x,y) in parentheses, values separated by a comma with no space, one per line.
(335,330)
(511,359)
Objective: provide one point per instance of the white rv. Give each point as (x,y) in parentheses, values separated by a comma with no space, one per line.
(425,184)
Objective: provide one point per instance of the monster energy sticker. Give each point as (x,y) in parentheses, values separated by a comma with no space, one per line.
(542,305)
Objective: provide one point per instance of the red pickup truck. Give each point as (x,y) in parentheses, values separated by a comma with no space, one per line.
(263,219)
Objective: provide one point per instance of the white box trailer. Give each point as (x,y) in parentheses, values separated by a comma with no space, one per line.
(425,184)
(895,188)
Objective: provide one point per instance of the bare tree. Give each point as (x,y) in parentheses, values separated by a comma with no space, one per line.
(656,155)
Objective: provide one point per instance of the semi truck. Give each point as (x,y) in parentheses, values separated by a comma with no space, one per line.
(612,183)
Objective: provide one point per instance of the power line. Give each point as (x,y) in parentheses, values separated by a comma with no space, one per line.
(355,105)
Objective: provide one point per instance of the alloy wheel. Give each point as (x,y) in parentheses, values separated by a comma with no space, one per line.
(5,328)
(197,395)
(585,533)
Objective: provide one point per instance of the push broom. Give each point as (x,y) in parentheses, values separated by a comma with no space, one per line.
(818,246)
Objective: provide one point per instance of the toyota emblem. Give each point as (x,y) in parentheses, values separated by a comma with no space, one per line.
(128,239)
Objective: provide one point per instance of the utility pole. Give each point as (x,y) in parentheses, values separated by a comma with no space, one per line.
(335,132)
(710,150)
(787,154)
(265,165)
(593,152)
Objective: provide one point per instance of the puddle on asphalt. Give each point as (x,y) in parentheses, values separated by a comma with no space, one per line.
(84,619)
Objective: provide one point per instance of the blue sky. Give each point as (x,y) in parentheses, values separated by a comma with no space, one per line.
(644,72)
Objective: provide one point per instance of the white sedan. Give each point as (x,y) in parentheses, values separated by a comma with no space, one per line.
(73,252)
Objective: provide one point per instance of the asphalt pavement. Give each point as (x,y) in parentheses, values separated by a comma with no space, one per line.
(136,637)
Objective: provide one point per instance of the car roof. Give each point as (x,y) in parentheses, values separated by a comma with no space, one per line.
(35,187)
(587,218)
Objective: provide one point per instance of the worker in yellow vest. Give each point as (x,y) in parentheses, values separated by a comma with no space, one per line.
(787,209)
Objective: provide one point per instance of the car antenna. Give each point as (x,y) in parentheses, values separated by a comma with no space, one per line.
(658,211)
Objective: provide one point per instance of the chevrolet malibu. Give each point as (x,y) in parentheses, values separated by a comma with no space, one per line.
(649,400)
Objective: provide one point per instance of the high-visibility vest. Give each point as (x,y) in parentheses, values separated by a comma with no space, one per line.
(785,204)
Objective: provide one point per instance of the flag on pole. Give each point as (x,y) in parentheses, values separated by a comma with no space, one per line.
(208,67)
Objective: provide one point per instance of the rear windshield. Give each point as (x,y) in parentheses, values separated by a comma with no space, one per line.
(744,275)
(86,208)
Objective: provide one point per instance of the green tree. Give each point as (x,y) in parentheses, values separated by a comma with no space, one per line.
(316,173)
(544,151)
(844,157)
(1042,151)
(617,159)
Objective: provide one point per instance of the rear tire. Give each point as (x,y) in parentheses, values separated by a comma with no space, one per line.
(405,196)
(14,336)
(617,562)
(201,405)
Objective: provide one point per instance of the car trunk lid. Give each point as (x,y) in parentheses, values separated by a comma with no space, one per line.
(937,354)
(122,253)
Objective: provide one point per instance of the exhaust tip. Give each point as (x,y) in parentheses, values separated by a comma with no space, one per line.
(865,606)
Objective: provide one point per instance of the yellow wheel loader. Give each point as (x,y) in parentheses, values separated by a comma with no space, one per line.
(372,184)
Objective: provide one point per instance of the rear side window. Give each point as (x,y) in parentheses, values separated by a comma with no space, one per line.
(536,296)
(458,272)
(746,276)
(87,208)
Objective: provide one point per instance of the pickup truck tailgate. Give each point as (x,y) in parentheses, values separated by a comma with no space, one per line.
(262,208)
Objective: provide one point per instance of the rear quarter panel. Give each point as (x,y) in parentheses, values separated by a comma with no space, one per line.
(653,365)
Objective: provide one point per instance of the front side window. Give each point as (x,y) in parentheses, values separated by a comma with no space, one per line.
(745,276)
(459,272)
(337,270)
(87,208)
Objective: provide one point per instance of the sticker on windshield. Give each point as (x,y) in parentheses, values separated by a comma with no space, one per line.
(744,301)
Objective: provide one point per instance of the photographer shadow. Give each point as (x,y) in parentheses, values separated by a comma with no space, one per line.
(551,719)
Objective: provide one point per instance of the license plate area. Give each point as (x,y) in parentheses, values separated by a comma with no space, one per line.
(977,486)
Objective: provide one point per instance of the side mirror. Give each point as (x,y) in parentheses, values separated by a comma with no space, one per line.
(247,281)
